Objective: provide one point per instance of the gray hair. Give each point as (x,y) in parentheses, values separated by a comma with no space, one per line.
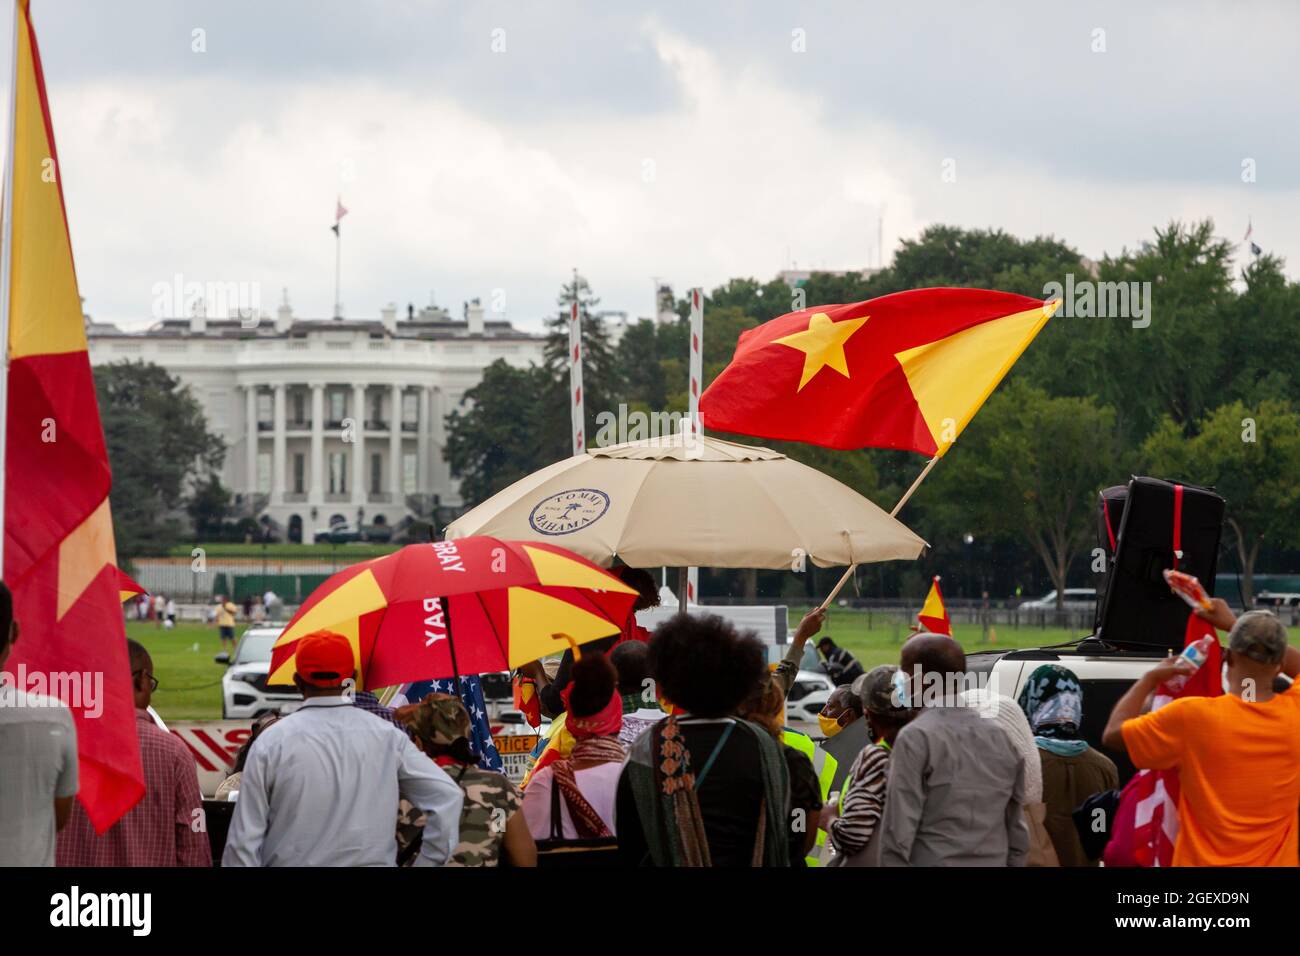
(1260,636)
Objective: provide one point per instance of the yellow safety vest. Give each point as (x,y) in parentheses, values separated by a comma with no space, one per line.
(824,765)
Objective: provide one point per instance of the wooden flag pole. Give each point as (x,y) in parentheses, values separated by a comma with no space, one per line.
(893,514)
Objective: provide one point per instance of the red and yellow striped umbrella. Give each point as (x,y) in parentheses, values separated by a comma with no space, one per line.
(469,606)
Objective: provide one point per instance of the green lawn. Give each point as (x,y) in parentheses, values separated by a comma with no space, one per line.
(189,681)
(875,638)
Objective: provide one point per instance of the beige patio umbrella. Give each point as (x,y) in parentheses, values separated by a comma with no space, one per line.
(690,500)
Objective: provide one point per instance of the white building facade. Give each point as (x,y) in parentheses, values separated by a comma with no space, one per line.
(329,420)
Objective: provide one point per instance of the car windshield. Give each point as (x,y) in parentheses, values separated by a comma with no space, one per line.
(255,648)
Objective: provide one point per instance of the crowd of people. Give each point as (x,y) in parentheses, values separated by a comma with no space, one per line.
(678,754)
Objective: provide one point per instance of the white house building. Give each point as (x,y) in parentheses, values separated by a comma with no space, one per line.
(328,420)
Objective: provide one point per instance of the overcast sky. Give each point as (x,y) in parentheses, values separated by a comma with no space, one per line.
(494,146)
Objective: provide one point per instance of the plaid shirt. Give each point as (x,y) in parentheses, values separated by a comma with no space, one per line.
(163,829)
(368,702)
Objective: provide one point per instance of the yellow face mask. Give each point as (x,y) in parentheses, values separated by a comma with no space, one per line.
(830,725)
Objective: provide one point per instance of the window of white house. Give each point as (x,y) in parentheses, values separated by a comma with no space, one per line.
(338,472)
(410,473)
(264,471)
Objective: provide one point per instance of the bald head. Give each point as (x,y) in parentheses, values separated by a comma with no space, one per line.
(936,666)
(934,652)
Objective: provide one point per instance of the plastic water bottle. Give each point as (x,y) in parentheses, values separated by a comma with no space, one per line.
(1190,661)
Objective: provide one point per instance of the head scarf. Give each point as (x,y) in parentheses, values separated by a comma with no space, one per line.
(603,723)
(1052,699)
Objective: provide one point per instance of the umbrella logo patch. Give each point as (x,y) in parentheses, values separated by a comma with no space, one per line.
(568,511)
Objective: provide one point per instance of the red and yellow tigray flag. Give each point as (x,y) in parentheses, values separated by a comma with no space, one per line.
(128,587)
(934,616)
(907,370)
(59,556)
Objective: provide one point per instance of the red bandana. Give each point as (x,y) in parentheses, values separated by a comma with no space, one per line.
(603,723)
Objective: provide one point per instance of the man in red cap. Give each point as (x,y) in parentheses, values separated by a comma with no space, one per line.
(321,786)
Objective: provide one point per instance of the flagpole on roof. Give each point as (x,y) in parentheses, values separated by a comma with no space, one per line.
(6,269)
(337,229)
(893,514)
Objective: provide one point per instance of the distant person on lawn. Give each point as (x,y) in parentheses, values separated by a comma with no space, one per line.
(225,612)
(1237,755)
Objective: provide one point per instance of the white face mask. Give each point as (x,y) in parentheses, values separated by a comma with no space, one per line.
(1224,678)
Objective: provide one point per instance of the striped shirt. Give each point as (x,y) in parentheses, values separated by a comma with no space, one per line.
(863,801)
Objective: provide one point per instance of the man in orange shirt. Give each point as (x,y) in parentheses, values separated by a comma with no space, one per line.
(1237,756)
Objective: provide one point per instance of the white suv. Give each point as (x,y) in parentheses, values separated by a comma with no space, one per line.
(244,693)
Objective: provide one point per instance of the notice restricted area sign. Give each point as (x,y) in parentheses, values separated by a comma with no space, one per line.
(515,751)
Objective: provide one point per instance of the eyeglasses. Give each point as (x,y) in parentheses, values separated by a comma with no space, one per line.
(153,681)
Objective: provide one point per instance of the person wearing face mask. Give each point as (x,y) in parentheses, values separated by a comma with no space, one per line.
(956,782)
(1237,755)
(853,826)
(844,731)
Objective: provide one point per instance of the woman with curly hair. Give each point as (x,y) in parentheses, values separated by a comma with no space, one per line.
(702,787)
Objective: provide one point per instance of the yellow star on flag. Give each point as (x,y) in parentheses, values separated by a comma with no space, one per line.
(823,345)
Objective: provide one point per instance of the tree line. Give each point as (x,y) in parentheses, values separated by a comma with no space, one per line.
(1195,380)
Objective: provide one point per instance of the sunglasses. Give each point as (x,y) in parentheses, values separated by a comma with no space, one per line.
(153,681)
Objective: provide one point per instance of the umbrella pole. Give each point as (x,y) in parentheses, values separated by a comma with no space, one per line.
(844,579)
(683,577)
(451,643)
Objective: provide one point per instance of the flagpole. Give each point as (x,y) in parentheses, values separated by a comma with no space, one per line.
(897,508)
(577,413)
(6,272)
(338,265)
(696,376)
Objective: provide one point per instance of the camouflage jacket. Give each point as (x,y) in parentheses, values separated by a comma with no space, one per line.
(490,800)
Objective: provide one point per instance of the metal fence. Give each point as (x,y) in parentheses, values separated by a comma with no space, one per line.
(898,616)
(197,582)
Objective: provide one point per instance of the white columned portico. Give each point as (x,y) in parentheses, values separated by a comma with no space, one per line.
(358,446)
(250,441)
(279,454)
(436,438)
(422,479)
(316,493)
(395,445)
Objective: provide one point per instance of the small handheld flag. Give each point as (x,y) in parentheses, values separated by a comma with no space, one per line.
(934,616)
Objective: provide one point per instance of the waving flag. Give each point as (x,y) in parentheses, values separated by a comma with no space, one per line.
(59,556)
(907,370)
(934,616)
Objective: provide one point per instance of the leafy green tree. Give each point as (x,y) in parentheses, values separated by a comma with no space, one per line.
(600,381)
(1029,466)
(497,437)
(163,457)
(1251,456)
